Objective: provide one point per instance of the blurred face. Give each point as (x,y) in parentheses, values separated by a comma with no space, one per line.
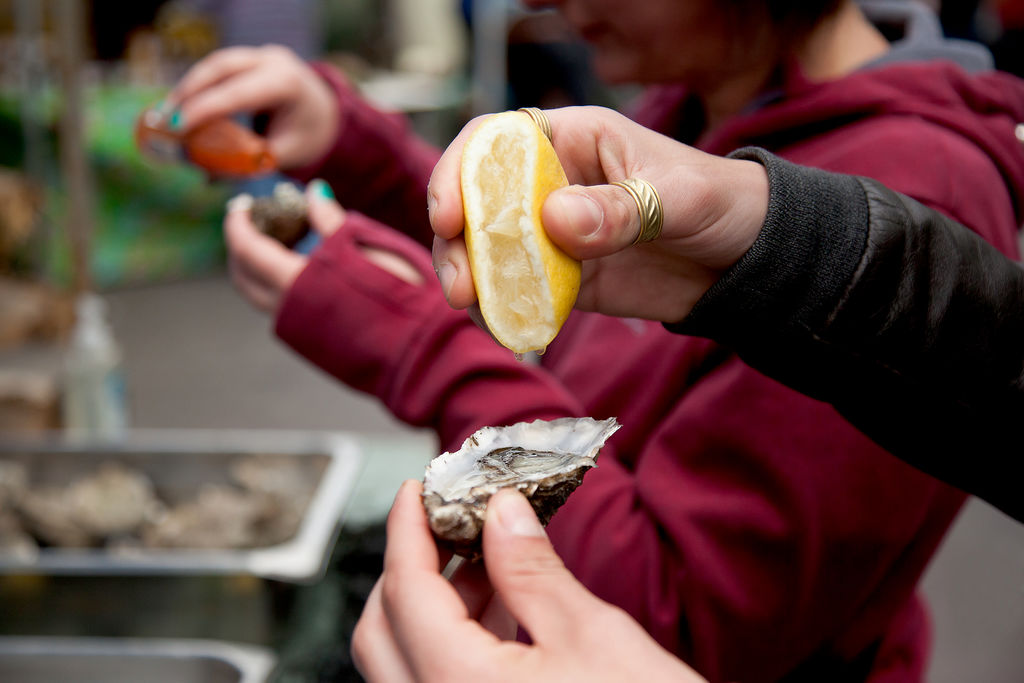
(648,41)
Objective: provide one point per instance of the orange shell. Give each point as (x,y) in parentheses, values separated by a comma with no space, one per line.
(221,147)
(224,147)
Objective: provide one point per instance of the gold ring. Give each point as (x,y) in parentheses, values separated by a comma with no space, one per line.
(540,118)
(652,215)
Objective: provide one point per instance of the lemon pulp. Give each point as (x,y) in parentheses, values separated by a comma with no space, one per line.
(526,286)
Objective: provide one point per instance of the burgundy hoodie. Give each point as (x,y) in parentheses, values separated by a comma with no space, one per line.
(749,528)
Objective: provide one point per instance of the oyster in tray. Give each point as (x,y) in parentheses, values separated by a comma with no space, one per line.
(544,460)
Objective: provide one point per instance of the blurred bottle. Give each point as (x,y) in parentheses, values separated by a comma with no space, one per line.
(430,36)
(223,147)
(93,401)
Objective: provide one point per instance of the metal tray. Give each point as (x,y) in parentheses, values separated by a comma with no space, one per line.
(181,460)
(32,659)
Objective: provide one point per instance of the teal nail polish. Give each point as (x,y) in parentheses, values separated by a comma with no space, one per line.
(322,189)
(177,120)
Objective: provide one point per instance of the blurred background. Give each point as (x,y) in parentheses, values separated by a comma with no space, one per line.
(102,249)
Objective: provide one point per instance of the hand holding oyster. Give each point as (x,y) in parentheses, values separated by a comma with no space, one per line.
(544,460)
(282,215)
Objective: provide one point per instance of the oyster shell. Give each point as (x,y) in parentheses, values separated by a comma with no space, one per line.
(545,460)
(281,215)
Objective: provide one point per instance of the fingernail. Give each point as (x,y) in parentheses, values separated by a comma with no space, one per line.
(177,120)
(446,276)
(321,189)
(582,214)
(242,202)
(405,484)
(431,205)
(515,514)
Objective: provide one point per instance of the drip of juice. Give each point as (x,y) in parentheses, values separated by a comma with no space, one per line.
(221,147)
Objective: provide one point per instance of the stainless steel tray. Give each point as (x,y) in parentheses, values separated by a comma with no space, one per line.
(31,659)
(178,460)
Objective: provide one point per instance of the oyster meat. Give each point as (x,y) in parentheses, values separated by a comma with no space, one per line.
(544,460)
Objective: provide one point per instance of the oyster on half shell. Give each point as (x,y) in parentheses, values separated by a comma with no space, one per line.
(544,460)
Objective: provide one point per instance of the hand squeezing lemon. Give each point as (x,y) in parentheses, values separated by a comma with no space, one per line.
(526,286)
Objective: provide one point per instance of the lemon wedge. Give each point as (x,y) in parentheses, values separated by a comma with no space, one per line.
(526,286)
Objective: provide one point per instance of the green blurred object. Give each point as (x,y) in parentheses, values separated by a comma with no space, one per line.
(153,221)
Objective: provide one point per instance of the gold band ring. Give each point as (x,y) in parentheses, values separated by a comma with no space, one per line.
(648,203)
(540,118)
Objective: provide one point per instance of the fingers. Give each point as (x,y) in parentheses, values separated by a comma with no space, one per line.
(218,67)
(591,222)
(233,80)
(261,267)
(374,650)
(212,69)
(246,91)
(410,552)
(325,214)
(444,191)
(451,263)
(410,544)
(578,631)
(428,618)
(498,620)
(471,583)
(588,222)
(255,251)
(537,589)
(255,291)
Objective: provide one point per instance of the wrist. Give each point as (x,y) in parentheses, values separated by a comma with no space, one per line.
(739,199)
(329,94)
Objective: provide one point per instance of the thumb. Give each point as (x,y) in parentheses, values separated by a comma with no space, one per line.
(325,213)
(536,588)
(591,221)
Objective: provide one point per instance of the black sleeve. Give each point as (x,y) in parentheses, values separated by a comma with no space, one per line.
(908,323)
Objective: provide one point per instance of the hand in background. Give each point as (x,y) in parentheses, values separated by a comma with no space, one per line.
(419,627)
(302,112)
(714,208)
(262,268)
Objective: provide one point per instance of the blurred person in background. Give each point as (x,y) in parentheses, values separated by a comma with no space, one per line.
(948,350)
(910,324)
(749,529)
(547,65)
